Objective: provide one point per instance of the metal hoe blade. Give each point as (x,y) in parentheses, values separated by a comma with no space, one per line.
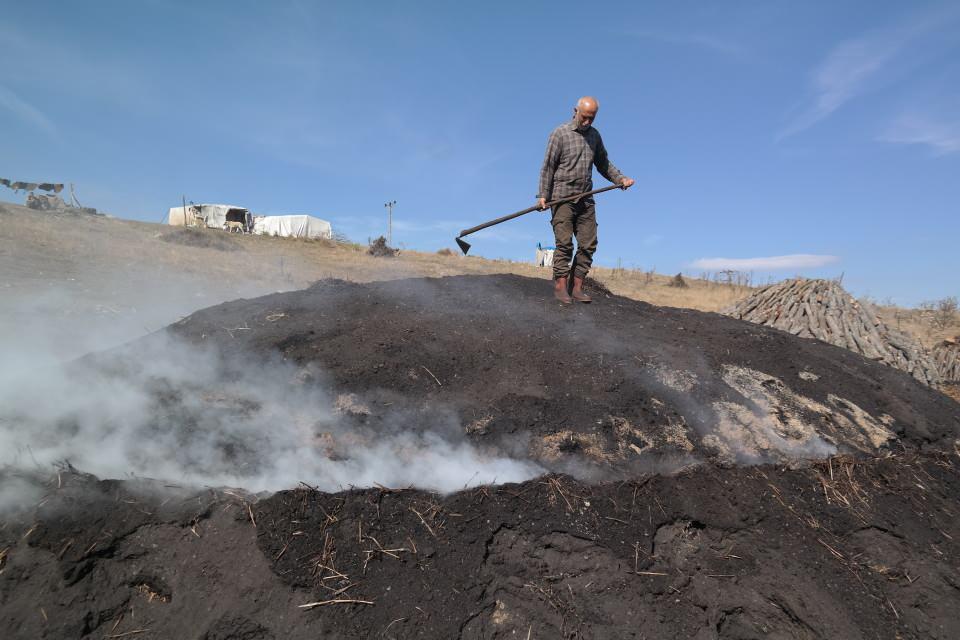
(464,246)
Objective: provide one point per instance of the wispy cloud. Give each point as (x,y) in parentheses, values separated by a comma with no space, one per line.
(862,64)
(771,263)
(25,111)
(81,73)
(299,133)
(942,136)
(842,76)
(708,42)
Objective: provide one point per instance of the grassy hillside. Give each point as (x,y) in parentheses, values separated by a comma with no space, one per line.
(41,247)
(106,266)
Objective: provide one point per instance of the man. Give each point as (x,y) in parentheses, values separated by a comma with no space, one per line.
(572,151)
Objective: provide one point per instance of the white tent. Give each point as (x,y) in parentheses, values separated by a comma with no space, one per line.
(213,216)
(183,216)
(294,226)
(544,257)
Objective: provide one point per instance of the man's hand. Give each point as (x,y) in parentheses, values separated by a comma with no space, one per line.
(542,204)
(626,183)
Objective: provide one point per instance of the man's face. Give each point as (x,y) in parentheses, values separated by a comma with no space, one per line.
(585,115)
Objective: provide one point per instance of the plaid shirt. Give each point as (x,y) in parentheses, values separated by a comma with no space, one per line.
(568,164)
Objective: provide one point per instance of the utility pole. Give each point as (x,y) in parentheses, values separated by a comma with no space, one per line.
(389,206)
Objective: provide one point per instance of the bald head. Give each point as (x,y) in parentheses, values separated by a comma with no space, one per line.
(588,102)
(585,112)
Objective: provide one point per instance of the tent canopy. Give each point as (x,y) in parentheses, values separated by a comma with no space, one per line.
(293,226)
(213,216)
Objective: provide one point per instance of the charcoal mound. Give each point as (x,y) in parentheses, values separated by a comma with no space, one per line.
(811,492)
(601,391)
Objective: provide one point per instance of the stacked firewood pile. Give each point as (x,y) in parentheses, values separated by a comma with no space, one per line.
(946,355)
(822,309)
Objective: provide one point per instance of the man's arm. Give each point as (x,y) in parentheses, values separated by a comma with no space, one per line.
(607,168)
(550,161)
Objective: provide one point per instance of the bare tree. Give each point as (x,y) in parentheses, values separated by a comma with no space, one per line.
(945,312)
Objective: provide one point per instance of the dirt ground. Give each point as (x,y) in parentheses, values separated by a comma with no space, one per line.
(842,549)
(704,477)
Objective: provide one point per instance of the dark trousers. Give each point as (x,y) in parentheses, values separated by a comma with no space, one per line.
(574,219)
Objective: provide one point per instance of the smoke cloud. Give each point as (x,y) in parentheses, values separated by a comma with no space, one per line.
(770,263)
(17,493)
(176,412)
(167,410)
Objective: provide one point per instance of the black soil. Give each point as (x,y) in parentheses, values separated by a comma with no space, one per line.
(860,545)
(844,549)
(512,363)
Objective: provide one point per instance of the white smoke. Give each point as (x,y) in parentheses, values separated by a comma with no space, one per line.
(18,493)
(179,413)
(175,412)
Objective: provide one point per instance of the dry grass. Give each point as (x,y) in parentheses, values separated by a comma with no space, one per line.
(701,294)
(952,390)
(919,323)
(50,247)
(208,238)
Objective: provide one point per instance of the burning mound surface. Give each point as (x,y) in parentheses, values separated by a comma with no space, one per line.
(599,391)
(416,382)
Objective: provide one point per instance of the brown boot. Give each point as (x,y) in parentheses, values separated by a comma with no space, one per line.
(560,290)
(577,292)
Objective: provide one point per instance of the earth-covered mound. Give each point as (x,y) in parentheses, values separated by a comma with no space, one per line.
(416,382)
(614,387)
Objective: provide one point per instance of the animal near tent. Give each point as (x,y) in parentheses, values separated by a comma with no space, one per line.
(234,218)
(211,216)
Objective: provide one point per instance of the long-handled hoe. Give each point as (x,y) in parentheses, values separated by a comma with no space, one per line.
(464,246)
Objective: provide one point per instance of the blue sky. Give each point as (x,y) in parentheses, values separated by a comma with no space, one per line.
(755,130)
